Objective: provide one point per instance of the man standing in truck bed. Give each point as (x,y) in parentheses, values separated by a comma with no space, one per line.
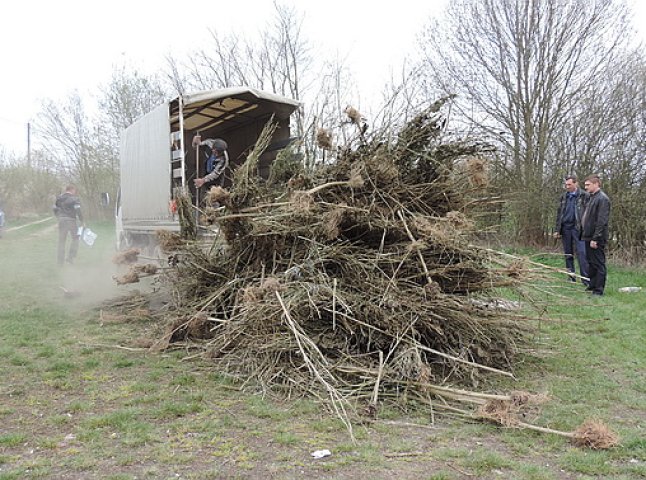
(216,164)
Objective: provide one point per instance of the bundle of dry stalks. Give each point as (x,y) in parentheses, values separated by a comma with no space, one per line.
(324,139)
(168,241)
(353,114)
(217,196)
(187,223)
(477,172)
(359,288)
(126,257)
(512,410)
(135,272)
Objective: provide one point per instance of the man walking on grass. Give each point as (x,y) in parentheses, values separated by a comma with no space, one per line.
(594,232)
(68,210)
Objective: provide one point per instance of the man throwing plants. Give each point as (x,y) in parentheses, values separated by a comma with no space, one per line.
(216,163)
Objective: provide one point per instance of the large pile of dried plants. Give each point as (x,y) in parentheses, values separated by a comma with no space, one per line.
(355,283)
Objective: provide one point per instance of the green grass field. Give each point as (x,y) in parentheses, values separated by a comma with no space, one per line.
(79,401)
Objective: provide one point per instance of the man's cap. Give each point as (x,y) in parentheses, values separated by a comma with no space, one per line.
(219,144)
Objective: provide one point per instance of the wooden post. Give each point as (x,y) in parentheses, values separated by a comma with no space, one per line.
(197,175)
(28,145)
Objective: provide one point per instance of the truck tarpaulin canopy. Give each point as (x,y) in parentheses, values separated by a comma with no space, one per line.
(203,110)
(144,167)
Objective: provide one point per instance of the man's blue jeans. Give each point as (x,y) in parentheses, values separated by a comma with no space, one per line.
(572,245)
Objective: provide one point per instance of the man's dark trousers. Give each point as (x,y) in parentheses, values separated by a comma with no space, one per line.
(571,242)
(596,267)
(67,226)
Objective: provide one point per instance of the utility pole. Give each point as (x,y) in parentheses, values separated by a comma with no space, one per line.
(28,145)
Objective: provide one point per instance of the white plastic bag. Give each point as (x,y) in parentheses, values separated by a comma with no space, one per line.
(88,237)
(321,453)
(630,289)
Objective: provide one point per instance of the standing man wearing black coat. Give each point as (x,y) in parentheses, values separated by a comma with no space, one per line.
(68,210)
(594,232)
(568,219)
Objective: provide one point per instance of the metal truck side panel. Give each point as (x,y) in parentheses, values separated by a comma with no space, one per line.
(145,168)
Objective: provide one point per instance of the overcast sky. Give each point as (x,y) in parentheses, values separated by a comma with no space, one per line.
(49,48)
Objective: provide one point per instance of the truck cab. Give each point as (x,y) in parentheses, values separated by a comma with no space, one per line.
(157,158)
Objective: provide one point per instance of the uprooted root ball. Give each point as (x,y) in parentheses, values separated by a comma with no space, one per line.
(169,241)
(126,257)
(596,435)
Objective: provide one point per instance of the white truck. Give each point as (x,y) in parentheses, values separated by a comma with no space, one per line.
(157,157)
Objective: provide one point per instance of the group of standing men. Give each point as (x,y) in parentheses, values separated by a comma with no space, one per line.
(582,223)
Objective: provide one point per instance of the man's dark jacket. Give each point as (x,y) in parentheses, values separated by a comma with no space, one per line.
(68,205)
(581,197)
(595,218)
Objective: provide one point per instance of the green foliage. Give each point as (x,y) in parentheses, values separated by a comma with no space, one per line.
(441,475)
(119,420)
(286,438)
(12,439)
(170,409)
(263,408)
(26,189)
(485,460)
(288,164)
(591,463)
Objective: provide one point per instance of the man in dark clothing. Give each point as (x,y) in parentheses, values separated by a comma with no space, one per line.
(568,218)
(216,163)
(68,210)
(594,232)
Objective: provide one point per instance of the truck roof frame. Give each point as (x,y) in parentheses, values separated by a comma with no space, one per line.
(209,108)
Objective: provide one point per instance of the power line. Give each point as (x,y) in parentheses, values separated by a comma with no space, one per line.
(8,120)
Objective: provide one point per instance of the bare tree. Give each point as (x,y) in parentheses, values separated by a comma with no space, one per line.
(75,143)
(605,134)
(327,102)
(129,95)
(274,61)
(521,67)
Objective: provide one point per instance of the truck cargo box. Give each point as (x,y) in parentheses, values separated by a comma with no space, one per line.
(157,157)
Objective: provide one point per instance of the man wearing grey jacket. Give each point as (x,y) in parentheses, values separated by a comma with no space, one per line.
(216,163)
(594,232)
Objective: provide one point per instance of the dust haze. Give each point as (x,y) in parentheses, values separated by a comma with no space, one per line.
(89,281)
